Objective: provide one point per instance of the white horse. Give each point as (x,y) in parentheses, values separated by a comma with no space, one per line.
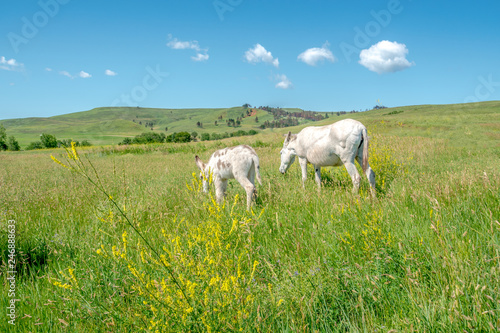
(240,162)
(332,145)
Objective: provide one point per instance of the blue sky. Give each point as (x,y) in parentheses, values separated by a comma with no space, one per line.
(62,56)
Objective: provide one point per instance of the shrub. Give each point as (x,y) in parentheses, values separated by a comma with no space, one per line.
(48,140)
(12,144)
(126,141)
(35,145)
(85,143)
(182,137)
(3,137)
(149,137)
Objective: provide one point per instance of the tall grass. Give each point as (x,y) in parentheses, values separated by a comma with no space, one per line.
(422,256)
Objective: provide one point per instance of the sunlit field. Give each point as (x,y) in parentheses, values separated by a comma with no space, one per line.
(121,239)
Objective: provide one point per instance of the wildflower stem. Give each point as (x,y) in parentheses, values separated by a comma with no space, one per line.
(98,184)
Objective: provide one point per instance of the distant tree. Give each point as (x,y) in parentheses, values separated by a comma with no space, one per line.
(238,123)
(246,105)
(48,140)
(149,137)
(166,129)
(193,136)
(205,136)
(133,120)
(182,137)
(3,138)
(140,122)
(215,123)
(85,143)
(126,141)
(12,144)
(256,119)
(35,145)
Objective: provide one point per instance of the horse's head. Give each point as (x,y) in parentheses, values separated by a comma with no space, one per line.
(288,152)
(204,173)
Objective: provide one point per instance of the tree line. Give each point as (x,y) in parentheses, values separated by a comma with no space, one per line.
(180,137)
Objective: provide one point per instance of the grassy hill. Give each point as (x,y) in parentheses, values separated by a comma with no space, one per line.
(109,125)
(460,124)
(476,123)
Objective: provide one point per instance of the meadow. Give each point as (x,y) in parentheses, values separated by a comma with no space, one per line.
(121,239)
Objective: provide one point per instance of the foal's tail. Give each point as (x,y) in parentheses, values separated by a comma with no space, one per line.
(365,149)
(257,169)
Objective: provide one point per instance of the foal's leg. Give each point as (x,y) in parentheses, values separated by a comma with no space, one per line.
(220,189)
(248,186)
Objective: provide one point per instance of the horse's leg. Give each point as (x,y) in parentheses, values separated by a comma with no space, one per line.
(303,167)
(317,175)
(369,174)
(353,172)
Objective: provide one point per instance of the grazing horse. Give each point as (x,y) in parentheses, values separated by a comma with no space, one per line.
(332,145)
(240,162)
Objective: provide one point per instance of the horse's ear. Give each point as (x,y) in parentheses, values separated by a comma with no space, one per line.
(199,163)
(287,136)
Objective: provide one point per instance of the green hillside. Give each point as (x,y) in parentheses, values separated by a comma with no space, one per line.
(109,125)
(460,124)
(476,123)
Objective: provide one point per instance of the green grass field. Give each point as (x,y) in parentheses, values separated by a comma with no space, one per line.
(144,250)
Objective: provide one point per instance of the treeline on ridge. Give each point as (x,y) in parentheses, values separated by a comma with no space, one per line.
(180,137)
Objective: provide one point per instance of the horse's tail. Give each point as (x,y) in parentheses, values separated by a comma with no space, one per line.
(365,149)
(257,168)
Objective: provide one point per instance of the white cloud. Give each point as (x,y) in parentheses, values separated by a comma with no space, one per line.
(65,73)
(385,57)
(200,57)
(201,53)
(176,44)
(259,54)
(10,65)
(48,69)
(284,83)
(315,55)
(109,72)
(84,75)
